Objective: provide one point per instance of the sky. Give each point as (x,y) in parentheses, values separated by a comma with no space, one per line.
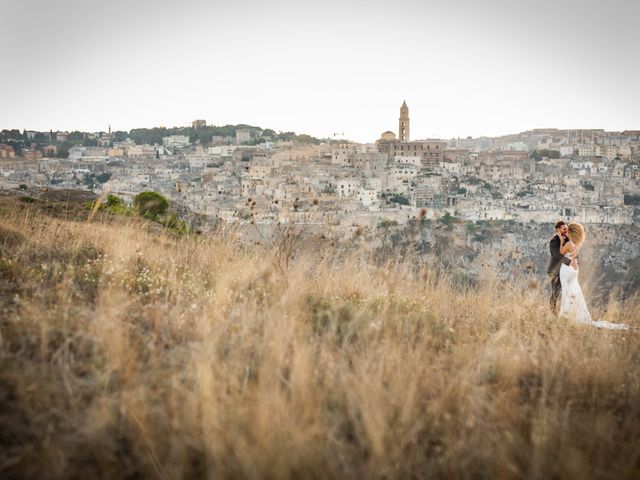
(326,68)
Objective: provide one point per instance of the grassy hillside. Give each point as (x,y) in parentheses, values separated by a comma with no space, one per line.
(130,352)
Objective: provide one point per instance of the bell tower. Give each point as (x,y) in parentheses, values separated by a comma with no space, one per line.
(403,129)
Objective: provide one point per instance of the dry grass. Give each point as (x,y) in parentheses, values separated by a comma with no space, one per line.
(126,353)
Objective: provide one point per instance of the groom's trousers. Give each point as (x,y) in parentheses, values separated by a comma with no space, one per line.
(556,290)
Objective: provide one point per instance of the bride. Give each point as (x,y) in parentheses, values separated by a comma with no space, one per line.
(573,305)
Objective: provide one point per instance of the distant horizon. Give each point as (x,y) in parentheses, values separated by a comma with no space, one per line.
(113,130)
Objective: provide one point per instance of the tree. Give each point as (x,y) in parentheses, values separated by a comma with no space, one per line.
(77,137)
(203,137)
(14,135)
(397,198)
(103,177)
(90,181)
(63,150)
(150,204)
(304,138)
(120,136)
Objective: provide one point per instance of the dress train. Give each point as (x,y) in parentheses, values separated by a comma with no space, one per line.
(573,305)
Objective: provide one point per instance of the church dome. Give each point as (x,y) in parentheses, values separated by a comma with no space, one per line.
(388,135)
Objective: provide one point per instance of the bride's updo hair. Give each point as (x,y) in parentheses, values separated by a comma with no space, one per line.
(576,233)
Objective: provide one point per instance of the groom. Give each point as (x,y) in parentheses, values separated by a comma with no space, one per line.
(557,259)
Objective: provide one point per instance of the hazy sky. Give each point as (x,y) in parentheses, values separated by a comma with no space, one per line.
(465,67)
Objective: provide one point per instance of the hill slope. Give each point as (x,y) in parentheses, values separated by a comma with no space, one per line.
(126,352)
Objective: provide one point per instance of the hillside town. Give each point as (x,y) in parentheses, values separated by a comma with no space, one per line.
(251,175)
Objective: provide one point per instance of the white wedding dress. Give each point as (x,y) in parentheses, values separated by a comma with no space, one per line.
(573,305)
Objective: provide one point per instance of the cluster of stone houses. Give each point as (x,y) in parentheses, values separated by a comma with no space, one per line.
(363,184)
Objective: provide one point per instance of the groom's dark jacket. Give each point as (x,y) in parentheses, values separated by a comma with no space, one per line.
(557,258)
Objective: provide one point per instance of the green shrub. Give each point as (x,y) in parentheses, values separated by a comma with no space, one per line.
(175,223)
(386,223)
(150,204)
(448,220)
(114,200)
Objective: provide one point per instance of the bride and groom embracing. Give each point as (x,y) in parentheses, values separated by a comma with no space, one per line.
(563,271)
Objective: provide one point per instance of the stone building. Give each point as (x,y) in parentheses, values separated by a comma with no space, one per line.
(7,151)
(431,152)
(243,135)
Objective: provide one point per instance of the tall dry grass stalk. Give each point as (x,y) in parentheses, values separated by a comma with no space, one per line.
(126,353)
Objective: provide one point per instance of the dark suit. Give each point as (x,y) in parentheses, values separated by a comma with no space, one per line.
(557,259)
